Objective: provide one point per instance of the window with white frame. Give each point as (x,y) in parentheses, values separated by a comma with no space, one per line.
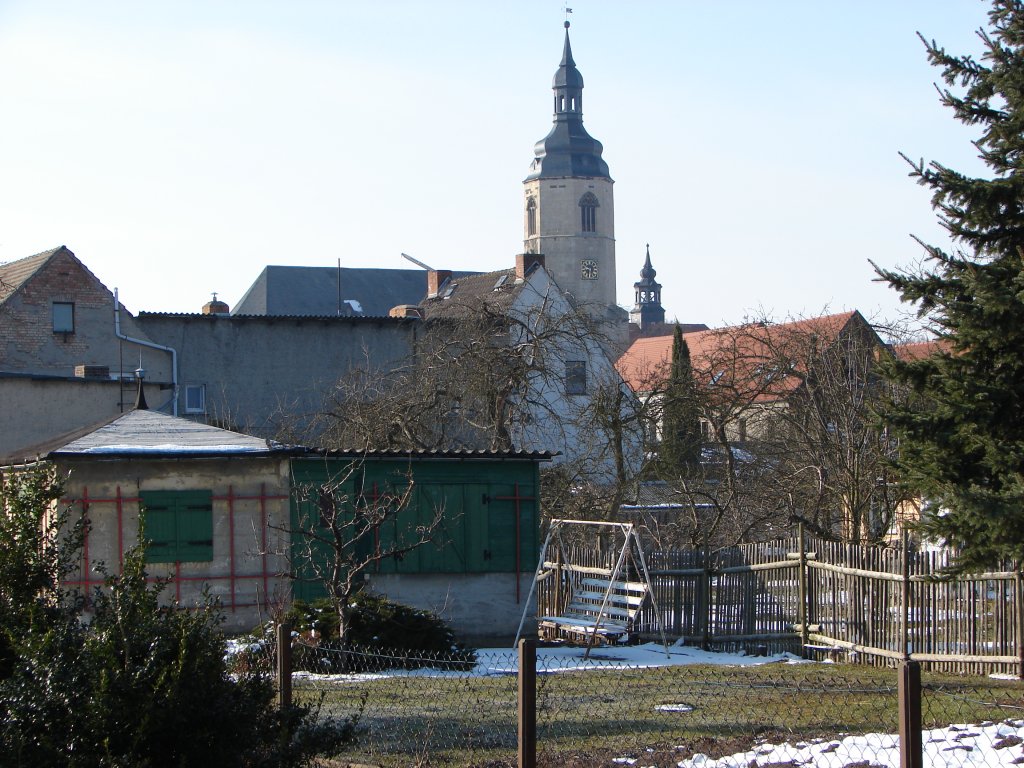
(195,398)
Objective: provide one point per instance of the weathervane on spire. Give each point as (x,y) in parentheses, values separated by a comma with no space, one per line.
(567,10)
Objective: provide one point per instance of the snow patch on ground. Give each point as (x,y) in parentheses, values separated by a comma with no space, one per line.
(956,746)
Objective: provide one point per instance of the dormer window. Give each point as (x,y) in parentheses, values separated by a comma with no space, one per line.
(588,212)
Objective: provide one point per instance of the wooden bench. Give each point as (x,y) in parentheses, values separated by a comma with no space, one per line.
(583,618)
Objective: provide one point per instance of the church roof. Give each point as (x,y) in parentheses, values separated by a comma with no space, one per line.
(568,150)
(314,291)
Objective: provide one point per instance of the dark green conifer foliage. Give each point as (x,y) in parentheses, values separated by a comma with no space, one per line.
(680,443)
(964,452)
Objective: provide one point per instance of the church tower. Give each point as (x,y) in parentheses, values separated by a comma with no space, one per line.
(569,213)
(647,312)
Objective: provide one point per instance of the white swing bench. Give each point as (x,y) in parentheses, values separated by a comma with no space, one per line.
(603,604)
(599,607)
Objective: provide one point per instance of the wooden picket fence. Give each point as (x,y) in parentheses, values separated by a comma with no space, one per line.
(818,598)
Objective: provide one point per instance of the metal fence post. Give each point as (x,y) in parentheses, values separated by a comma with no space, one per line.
(527,703)
(909,688)
(284,665)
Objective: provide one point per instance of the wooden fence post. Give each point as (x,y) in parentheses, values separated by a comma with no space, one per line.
(527,703)
(909,688)
(284,665)
(804,610)
(1019,604)
(905,623)
(706,608)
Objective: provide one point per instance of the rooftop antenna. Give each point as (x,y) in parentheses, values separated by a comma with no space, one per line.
(417,262)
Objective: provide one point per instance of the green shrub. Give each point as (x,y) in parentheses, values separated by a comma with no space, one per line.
(421,637)
(139,684)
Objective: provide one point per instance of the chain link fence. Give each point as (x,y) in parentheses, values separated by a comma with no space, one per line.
(417,709)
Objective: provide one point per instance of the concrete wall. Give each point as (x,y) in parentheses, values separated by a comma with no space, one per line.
(35,410)
(240,575)
(262,372)
(477,605)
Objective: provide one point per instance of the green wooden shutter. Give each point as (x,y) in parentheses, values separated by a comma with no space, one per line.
(179,526)
(161,536)
(195,526)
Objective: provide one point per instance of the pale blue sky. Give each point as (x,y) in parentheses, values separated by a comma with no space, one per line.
(179,147)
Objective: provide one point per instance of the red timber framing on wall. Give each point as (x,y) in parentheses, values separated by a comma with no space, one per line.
(86,503)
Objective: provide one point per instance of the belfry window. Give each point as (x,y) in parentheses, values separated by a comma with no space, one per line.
(531,217)
(588,212)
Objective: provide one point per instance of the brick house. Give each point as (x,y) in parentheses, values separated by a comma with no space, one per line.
(65,340)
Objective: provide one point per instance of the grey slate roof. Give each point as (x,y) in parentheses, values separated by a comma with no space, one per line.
(313,291)
(568,150)
(150,434)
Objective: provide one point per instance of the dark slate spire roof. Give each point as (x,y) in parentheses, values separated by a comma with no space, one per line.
(568,150)
(647,312)
(647,273)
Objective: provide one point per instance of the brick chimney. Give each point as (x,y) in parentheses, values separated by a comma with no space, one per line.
(435,279)
(525,262)
(92,372)
(407,311)
(215,307)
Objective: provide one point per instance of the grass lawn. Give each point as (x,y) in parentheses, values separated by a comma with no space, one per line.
(600,713)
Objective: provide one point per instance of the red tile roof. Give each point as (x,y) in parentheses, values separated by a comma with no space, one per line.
(921,349)
(736,356)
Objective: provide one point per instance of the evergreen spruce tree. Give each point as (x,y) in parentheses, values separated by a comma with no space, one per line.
(680,442)
(962,446)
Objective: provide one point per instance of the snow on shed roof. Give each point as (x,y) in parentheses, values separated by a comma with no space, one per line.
(148,433)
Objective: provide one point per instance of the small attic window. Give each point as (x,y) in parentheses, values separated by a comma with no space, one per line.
(63,317)
(501,281)
(195,398)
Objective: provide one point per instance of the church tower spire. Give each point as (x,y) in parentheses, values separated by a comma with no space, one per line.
(647,311)
(568,202)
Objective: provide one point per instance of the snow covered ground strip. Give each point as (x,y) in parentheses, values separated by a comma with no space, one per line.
(504,661)
(956,746)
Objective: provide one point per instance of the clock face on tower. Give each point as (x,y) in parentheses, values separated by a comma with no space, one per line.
(588,269)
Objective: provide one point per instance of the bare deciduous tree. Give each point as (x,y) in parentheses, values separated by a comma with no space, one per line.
(339,533)
(790,433)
